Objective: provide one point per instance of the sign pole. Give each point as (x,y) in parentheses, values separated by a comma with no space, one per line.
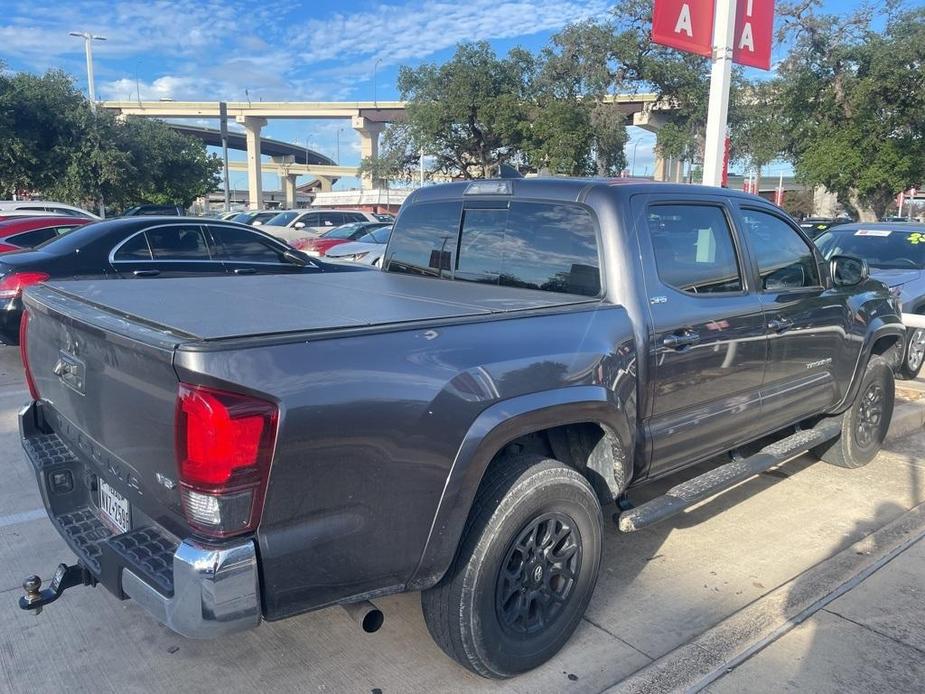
(720,80)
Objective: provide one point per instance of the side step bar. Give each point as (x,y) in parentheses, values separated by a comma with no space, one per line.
(686,494)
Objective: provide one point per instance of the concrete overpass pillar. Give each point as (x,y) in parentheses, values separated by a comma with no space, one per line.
(289,192)
(325,184)
(369,132)
(252,128)
(652,121)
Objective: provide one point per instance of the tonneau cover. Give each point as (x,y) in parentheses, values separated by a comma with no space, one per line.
(214,308)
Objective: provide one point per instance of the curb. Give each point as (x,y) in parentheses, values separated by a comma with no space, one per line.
(706,658)
(908,417)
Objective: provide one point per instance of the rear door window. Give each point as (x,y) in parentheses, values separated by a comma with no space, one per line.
(135,248)
(694,249)
(425,240)
(330,219)
(178,242)
(240,245)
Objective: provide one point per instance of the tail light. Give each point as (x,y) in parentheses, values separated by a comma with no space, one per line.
(23,354)
(12,285)
(225,443)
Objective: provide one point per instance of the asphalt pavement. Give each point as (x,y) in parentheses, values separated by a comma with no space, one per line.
(777,546)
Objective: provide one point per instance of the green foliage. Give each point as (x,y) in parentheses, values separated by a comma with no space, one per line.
(468,113)
(399,156)
(852,102)
(54,144)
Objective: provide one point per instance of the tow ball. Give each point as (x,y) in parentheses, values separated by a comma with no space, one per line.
(65,577)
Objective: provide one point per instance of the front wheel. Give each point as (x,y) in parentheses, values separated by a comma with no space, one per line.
(525,570)
(865,424)
(914,355)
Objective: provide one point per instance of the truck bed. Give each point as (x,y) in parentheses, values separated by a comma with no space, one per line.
(206,309)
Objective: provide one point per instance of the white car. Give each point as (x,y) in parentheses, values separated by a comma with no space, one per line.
(367,250)
(16,207)
(292,225)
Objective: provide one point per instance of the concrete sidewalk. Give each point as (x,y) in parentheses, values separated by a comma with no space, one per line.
(871,639)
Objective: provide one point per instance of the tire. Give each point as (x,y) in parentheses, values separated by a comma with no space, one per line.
(913,355)
(521,498)
(865,424)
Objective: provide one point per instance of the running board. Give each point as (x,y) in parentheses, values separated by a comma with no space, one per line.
(686,494)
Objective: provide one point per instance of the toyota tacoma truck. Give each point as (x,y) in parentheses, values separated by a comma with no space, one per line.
(230,450)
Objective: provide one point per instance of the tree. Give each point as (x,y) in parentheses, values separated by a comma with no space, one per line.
(853,102)
(757,130)
(469,112)
(399,156)
(56,145)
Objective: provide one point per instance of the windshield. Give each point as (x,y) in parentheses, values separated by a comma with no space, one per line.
(341,232)
(882,248)
(378,236)
(282,219)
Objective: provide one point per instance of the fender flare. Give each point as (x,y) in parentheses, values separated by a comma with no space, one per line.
(493,429)
(881,328)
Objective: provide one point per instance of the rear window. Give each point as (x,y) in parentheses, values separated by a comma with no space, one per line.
(550,247)
(888,249)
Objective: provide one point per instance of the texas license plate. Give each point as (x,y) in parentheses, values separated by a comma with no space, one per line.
(115,508)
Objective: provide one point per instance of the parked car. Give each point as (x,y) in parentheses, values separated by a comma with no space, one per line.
(326,240)
(895,252)
(292,225)
(233,450)
(813,226)
(155,211)
(226,216)
(28,232)
(44,207)
(145,247)
(896,220)
(254,217)
(368,249)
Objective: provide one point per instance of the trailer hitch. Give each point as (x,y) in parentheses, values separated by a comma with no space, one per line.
(65,577)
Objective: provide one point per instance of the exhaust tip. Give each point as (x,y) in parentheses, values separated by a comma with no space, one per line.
(366,615)
(373,620)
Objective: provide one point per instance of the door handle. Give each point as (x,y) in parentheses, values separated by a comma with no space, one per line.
(780,325)
(146,273)
(245,271)
(680,341)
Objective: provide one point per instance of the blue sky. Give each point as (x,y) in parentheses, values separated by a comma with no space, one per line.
(278,51)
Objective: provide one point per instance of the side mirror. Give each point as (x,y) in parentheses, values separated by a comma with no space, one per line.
(848,271)
(298,225)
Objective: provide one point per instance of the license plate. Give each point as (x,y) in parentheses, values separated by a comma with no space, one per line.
(115,508)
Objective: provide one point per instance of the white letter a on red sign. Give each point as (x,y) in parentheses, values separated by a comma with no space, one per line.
(684,22)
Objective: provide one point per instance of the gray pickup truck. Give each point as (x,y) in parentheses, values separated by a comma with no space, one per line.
(229,450)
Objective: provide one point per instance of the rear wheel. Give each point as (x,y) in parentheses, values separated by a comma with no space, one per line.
(527,565)
(914,355)
(865,424)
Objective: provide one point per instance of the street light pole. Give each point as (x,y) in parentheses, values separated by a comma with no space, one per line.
(375,71)
(88,50)
(339,131)
(91,88)
(633,165)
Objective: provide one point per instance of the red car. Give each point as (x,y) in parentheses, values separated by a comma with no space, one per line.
(18,233)
(319,245)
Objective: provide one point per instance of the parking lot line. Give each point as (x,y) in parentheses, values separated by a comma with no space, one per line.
(22,517)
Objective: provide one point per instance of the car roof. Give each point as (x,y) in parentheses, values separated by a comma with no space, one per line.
(573,189)
(879,226)
(17,225)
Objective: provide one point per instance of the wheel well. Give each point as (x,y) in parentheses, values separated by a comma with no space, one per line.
(595,451)
(884,345)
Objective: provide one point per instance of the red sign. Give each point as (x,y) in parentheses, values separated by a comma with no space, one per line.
(688,26)
(684,24)
(754,33)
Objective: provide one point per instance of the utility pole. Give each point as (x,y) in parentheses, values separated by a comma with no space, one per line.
(223,126)
(375,90)
(91,87)
(720,78)
(422,167)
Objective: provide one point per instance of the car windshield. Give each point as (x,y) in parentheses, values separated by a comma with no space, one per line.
(881,248)
(341,232)
(378,236)
(282,219)
(244,217)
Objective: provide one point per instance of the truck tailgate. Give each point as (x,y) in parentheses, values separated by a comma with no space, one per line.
(109,388)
